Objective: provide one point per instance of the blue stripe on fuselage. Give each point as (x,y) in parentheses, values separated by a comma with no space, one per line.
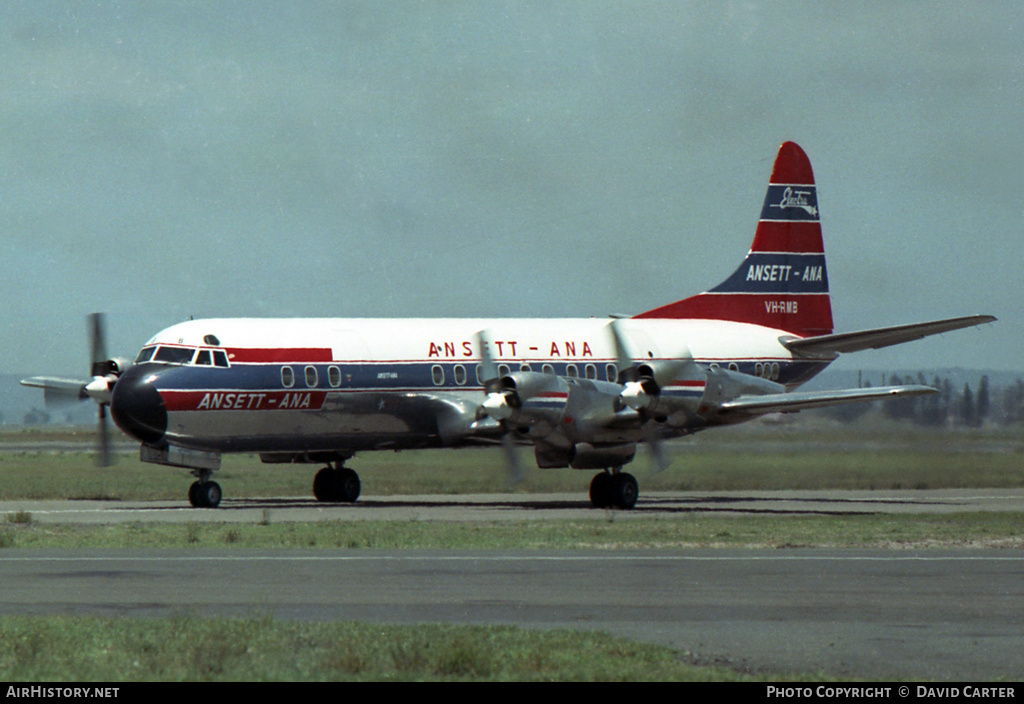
(416,376)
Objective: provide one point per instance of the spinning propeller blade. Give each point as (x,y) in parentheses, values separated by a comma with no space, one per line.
(496,407)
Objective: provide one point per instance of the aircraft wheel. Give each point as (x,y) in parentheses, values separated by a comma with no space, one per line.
(340,484)
(348,485)
(323,485)
(204,494)
(601,490)
(624,491)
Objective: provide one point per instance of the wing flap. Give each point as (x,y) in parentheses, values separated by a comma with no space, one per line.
(880,337)
(802,400)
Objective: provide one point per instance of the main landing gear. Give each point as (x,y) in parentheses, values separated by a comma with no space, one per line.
(336,483)
(614,488)
(204,493)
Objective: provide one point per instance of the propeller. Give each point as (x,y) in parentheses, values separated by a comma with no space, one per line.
(104,375)
(498,405)
(104,372)
(642,382)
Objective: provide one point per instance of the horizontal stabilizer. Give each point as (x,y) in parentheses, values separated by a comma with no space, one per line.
(880,337)
(803,400)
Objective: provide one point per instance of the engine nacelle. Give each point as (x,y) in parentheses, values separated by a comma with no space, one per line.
(105,375)
(584,455)
(724,385)
(532,402)
(670,391)
(115,366)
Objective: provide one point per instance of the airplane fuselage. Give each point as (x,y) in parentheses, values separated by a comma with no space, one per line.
(320,385)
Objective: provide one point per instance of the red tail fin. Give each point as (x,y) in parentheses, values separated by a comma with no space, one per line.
(782,283)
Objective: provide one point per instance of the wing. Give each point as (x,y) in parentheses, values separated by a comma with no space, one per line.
(801,400)
(58,389)
(879,337)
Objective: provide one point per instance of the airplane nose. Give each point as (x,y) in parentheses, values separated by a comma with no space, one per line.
(136,405)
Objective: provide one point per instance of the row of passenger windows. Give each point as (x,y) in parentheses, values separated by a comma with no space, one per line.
(460,375)
(168,354)
(312,377)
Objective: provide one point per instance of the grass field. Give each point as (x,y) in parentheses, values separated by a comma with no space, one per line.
(804,456)
(108,650)
(84,649)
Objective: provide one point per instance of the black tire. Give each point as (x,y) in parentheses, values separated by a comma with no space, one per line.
(323,485)
(204,494)
(601,490)
(193,495)
(211,494)
(332,485)
(348,485)
(625,491)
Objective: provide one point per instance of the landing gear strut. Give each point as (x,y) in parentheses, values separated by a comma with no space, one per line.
(203,493)
(336,483)
(614,488)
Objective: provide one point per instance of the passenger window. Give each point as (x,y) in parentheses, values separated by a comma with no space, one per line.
(287,377)
(203,358)
(460,374)
(504,370)
(334,376)
(548,369)
(312,378)
(437,372)
(611,372)
(591,371)
(525,368)
(571,371)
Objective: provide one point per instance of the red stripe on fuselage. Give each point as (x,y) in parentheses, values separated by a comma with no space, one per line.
(306,400)
(280,355)
(800,314)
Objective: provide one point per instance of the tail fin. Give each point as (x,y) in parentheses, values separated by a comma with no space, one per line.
(782,283)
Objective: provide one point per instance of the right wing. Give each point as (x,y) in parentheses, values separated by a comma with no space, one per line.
(797,401)
(879,337)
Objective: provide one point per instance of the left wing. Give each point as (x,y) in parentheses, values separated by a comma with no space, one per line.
(58,389)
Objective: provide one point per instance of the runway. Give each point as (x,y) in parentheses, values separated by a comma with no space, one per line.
(874,614)
(935,614)
(520,506)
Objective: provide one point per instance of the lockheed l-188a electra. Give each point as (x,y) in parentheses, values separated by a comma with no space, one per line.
(584,393)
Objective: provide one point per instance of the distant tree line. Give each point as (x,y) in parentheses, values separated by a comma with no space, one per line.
(951,407)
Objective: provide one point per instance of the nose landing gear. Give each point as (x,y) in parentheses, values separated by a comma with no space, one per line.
(204,493)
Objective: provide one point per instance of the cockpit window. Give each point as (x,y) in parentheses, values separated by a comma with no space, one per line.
(174,355)
(167,354)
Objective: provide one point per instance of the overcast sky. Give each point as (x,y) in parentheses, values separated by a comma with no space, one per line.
(160,160)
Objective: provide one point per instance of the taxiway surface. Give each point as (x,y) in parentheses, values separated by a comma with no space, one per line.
(911,614)
(520,506)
